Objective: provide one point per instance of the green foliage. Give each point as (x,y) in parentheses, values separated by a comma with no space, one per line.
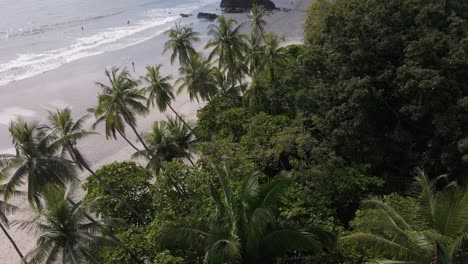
(219,119)
(64,231)
(431,225)
(385,82)
(136,239)
(249,231)
(165,257)
(129,180)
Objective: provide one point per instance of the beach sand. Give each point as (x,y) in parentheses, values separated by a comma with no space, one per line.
(73,85)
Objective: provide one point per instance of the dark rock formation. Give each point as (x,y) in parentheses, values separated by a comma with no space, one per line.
(236,6)
(185,15)
(208,16)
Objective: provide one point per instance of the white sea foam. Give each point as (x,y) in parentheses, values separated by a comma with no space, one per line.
(28,65)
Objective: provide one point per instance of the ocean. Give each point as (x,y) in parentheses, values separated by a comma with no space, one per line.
(40,35)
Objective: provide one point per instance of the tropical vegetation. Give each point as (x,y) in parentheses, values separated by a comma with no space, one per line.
(351,147)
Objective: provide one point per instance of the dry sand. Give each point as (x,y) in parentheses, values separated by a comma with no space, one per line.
(73,85)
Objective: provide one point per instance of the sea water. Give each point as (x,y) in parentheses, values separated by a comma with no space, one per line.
(40,35)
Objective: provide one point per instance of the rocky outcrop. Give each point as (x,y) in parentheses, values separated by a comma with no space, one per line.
(208,16)
(236,6)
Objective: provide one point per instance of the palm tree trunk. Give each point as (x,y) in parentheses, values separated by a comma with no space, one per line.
(128,141)
(181,119)
(116,195)
(145,146)
(191,161)
(110,232)
(12,241)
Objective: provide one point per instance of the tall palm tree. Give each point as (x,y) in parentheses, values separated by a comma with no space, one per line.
(254,50)
(180,42)
(36,160)
(273,54)
(167,140)
(251,234)
(119,103)
(68,132)
(65,235)
(160,91)
(257,22)
(6,208)
(440,234)
(197,79)
(227,43)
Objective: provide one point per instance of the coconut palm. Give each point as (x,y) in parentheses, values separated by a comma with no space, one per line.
(160,91)
(119,103)
(68,132)
(273,54)
(167,140)
(6,208)
(252,232)
(254,52)
(182,136)
(224,88)
(256,20)
(197,79)
(180,42)
(439,235)
(37,161)
(64,233)
(227,44)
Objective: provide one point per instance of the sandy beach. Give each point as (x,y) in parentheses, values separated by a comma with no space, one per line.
(73,85)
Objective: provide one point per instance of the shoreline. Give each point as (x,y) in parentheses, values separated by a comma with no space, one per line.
(73,84)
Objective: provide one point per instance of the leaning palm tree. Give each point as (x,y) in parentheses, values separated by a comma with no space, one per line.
(439,235)
(160,91)
(251,233)
(167,141)
(64,233)
(68,132)
(119,103)
(273,54)
(6,208)
(227,44)
(180,42)
(256,20)
(197,79)
(37,161)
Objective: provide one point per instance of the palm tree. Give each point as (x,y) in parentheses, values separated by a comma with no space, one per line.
(167,140)
(197,79)
(224,88)
(68,132)
(227,43)
(65,235)
(6,208)
(438,236)
(180,42)
(182,136)
(273,54)
(257,22)
(251,234)
(36,159)
(254,52)
(160,91)
(119,103)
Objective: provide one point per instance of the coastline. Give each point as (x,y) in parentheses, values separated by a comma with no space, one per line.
(73,85)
